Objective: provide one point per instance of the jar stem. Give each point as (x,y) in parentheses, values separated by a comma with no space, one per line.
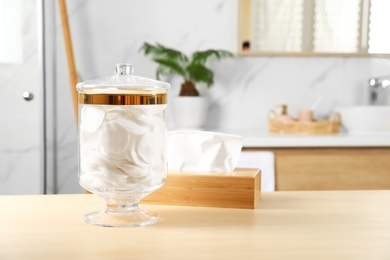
(123,207)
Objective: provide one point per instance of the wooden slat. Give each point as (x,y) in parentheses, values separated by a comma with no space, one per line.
(69,55)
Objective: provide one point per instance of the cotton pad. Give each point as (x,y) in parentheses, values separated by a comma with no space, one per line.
(92,117)
(146,110)
(124,147)
(113,137)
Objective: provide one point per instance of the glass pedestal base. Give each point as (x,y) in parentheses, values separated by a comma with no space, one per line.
(133,218)
(122,208)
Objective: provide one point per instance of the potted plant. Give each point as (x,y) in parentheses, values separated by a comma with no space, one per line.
(192,70)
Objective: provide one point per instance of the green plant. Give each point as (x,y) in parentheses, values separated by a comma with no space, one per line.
(192,69)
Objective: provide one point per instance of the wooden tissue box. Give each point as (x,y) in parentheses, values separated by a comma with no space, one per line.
(237,189)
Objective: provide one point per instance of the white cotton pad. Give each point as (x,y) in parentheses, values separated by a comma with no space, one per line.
(149,120)
(87,140)
(92,117)
(122,146)
(131,152)
(91,160)
(150,147)
(155,123)
(113,138)
(131,126)
(134,171)
(146,110)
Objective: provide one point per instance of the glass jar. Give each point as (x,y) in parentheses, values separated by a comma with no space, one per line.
(122,144)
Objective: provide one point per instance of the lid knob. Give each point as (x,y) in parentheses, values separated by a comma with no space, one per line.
(123,69)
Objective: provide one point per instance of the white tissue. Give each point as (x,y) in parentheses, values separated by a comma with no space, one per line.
(202,151)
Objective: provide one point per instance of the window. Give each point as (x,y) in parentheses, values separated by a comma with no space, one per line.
(316,26)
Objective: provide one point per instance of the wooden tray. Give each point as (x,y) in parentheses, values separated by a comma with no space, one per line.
(237,189)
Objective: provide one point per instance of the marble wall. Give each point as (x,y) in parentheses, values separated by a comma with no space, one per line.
(106,32)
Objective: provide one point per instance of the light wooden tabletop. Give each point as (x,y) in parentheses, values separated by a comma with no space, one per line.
(286,225)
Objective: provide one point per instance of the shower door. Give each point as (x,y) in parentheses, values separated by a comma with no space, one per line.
(22,145)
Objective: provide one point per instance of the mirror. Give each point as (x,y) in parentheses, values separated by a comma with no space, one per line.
(313,27)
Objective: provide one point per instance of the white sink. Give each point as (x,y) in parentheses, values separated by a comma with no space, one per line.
(365,119)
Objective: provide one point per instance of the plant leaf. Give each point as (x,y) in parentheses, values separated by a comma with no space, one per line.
(170,60)
(168,67)
(159,51)
(201,57)
(200,73)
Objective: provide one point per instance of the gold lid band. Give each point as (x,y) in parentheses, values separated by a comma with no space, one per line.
(122,99)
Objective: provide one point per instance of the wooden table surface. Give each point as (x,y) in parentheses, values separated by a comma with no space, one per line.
(286,225)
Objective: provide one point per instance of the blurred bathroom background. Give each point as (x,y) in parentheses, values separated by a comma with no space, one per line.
(38,141)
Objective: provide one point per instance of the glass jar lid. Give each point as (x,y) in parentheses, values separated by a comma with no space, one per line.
(123,81)
(123,88)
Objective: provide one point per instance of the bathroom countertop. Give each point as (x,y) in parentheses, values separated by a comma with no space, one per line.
(262,139)
(284,225)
